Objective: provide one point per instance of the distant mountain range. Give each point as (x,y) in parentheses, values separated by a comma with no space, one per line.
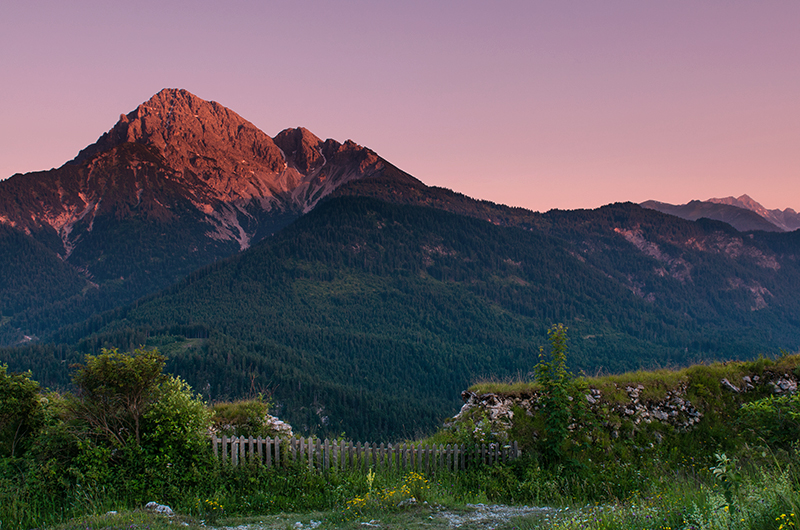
(362,300)
(743,213)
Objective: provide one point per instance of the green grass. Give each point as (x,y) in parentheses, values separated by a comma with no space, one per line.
(761,493)
(657,382)
(761,499)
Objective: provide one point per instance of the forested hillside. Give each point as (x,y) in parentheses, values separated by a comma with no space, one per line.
(370,318)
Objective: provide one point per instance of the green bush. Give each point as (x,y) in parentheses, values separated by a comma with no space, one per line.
(22,413)
(115,391)
(775,419)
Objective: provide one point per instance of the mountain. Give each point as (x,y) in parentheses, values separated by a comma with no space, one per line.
(743,213)
(360,299)
(739,217)
(787,220)
(369,318)
(176,184)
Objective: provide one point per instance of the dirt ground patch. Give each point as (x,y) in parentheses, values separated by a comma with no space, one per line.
(469,517)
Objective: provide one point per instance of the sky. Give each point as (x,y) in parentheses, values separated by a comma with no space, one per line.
(540,104)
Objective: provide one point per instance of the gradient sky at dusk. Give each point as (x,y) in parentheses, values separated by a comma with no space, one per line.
(556,104)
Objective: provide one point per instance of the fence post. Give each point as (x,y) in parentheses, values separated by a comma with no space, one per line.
(268,451)
(214,443)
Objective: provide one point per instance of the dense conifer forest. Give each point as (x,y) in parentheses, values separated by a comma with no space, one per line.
(392,310)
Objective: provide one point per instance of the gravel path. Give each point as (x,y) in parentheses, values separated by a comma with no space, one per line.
(470,517)
(489,516)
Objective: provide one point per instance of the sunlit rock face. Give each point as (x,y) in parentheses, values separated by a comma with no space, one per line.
(177,157)
(175,184)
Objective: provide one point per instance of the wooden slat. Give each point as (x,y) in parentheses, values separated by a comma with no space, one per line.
(341,455)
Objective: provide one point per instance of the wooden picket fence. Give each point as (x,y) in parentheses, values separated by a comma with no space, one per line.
(325,455)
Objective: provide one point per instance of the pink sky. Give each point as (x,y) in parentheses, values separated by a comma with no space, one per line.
(556,104)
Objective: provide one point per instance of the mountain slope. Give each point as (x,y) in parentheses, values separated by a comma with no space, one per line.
(743,219)
(176,184)
(743,213)
(370,318)
(32,277)
(787,220)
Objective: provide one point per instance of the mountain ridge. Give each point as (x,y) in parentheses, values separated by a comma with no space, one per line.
(175,184)
(319,273)
(743,213)
(787,219)
(373,316)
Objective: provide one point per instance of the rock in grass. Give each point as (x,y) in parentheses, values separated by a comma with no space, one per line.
(162,509)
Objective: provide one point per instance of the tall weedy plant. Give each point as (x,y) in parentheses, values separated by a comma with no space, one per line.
(555,380)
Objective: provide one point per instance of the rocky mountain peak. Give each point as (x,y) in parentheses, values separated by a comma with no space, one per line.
(182,160)
(198,136)
(743,201)
(787,220)
(302,147)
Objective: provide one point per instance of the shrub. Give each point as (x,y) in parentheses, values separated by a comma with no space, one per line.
(776,419)
(115,390)
(21,412)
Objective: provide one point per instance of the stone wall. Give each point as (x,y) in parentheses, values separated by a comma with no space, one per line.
(491,415)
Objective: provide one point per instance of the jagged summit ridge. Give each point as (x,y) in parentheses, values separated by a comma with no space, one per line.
(743,213)
(203,139)
(787,220)
(178,164)
(226,166)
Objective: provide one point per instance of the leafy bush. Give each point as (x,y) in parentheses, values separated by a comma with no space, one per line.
(776,419)
(21,412)
(115,391)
